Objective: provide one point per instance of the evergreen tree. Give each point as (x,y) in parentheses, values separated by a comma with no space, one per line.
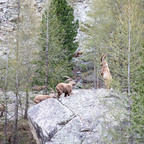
(64,13)
(51,54)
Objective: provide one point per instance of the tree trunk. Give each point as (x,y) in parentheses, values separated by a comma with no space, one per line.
(15,125)
(27,89)
(15,121)
(5,124)
(20,103)
(97,78)
(26,104)
(94,75)
(46,74)
(6,98)
(129,45)
(129,85)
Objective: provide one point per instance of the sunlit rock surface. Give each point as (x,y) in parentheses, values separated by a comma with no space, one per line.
(80,118)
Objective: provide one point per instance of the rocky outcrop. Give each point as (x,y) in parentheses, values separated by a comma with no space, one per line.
(81,8)
(82,118)
(8,13)
(8,18)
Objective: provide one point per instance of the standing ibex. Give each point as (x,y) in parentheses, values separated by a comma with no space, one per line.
(105,72)
(64,87)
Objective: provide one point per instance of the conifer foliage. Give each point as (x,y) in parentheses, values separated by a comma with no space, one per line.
(57,44)
(64,13)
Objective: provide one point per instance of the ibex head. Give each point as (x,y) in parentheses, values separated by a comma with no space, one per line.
(70,80)
(103,62)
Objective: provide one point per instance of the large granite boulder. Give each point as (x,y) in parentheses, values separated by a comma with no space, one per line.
(82,118)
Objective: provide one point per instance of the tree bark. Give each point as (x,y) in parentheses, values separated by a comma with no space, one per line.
(6,98)
(26,104)
(15,121)
(20,103)
(15,125)
(94,75)
(129,85)
(46,74)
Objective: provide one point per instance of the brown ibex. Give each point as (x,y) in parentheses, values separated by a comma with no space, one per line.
(65,88)
(105,72)
(40,98)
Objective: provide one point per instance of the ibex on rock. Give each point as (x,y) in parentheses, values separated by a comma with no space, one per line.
(40,98)
(65,88)
(105,72)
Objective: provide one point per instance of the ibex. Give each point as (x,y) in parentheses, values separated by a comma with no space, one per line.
(105,72)
(40,98)
(65,88)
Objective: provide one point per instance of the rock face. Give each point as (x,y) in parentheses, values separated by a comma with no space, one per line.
(80,118)
(9,16)
(81,8)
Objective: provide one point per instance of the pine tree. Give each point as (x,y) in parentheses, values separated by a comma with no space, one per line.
(51,54)
(64,13)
